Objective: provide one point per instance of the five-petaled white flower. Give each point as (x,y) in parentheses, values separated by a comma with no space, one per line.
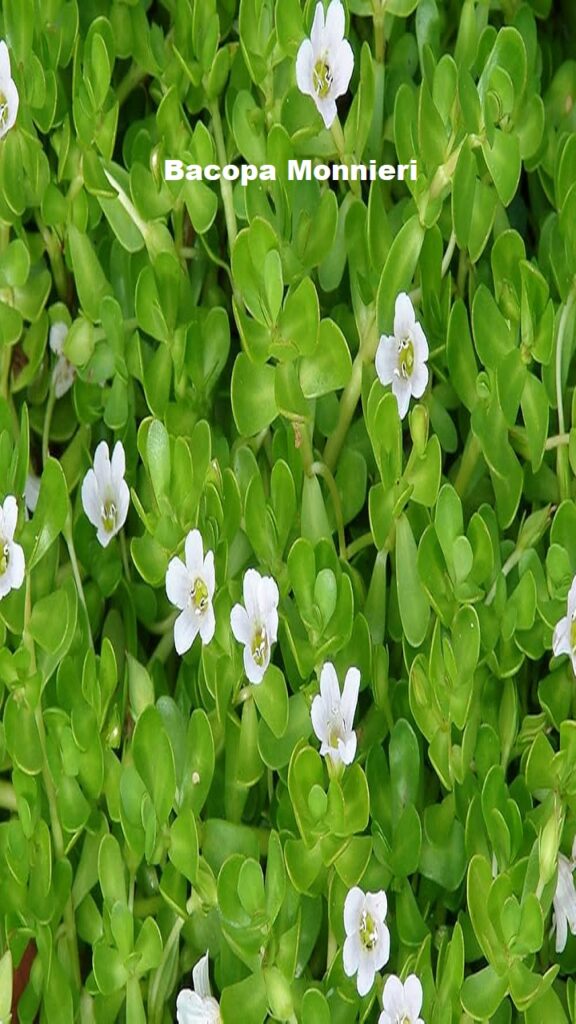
(333,714)
(64,372)
(325,62)
(401,357)
(198,1006)
(9,98)
(105,494)
(564,915)
(256,624)
(191,587)
(12,564)
(401,1003)
(367,943)
(564,639)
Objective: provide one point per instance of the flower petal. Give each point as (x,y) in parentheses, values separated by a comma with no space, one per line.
(393,997)
(386,359)
(343,68)
(319,718)
(377,904)
(329,688)
(421,350)
(240,624)
(57,336)
(5,71)
(350,696)
(194,549)
(419,379)
(561,638)
(185,631)
(91,498)
(178,583)
(353,907)
(207,625)
(572,600)
(327,110)
(102,466)
(413,995)
(335,26)
(305,68)
(351,954)
(254,672)
(201,977)
(10,517)
(63,376)
(122,504)
(402,390)
(118,464)
(251,591)
(13,102)
(209,573)
(317,32)
(190,1008)
(17,567)
(365,978)
(404,316)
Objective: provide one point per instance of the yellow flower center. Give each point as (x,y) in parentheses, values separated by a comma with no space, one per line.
(368,931)
(199,596)
(109,516)
(4,558)
(260,645)
(406,357)
(322,78)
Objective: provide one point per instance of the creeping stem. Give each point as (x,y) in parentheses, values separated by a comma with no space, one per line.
(562,464)
(351,393)
(56,828)
(225,186)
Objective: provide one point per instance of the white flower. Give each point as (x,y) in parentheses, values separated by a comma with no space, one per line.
(12,563)
(191,587)
(332,715)
(8,93)
(401,1003)
(325,62)
(31,492)
(564,915)
(564,639)
(64,372)
(401,357)
(256,624)
(367,943)
(105,494)
(198,1006)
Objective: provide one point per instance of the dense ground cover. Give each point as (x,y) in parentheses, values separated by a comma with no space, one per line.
(287,520)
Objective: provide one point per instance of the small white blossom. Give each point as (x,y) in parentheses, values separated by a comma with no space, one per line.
(401,1003)
(105,494)
(564,915)
(12,564)
(64,372)
(198,1006)
(31,492)
(564,639)
(325,62)
(191,588)
(333,714)
(401,357)
(367,943)
(256,624)
(9,98)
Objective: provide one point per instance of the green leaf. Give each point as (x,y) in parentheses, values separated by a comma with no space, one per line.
(412,601)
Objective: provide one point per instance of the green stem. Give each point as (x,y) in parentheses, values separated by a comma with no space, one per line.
(50,789)
(366,540)
(163,649)
(47,423)
(303,443)
(131,80)
(225,186)
(339,141)
(67,534)
(351,393)
(562,462)
(320,469)
(5,371)
(557,441)
(472,452)
(379,37)
(155,1006)
(7,796)
(125,558)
